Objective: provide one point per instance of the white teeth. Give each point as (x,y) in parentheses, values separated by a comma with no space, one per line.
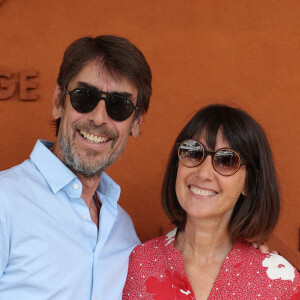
(93,138)
(200,192)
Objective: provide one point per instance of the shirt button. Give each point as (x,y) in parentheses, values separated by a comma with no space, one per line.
(75,186)
(84,217)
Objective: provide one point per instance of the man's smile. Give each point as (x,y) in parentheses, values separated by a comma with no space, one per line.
(92,138)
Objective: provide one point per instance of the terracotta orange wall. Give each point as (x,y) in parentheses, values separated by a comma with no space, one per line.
(238,52)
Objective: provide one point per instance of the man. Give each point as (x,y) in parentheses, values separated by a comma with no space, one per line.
(62,233)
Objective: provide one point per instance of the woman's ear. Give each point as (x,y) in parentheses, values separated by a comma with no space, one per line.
(244,191)
(57,107)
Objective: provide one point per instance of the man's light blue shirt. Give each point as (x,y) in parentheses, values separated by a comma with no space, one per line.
(49,246)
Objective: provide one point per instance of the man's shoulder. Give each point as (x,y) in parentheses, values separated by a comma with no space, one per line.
(13,183)
(122,212)
(26,169)
(125,225)
(123,216)
(14,174)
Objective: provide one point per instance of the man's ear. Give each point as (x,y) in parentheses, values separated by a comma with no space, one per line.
(135,130)
(57,108)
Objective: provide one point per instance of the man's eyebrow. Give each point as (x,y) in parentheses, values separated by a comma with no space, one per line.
(117,93)
(122,94)
(86,85)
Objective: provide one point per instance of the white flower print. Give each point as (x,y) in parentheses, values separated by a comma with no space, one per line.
(278,267)
(171,236)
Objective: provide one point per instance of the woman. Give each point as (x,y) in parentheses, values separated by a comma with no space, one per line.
(220,189)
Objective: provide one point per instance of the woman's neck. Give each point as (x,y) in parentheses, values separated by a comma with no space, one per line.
(204,244)
(204,241)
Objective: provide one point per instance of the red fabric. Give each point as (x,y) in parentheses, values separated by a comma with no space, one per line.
(97,203)
(156,272)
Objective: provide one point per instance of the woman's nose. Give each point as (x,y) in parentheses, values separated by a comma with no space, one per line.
(205,170)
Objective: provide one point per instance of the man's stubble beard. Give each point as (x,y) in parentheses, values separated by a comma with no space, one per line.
(72,159)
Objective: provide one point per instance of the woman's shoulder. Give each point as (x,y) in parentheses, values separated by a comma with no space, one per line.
(156,245)
(264,270)
(267,259)
(274,263)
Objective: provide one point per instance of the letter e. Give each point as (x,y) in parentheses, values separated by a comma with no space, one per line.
(26,85)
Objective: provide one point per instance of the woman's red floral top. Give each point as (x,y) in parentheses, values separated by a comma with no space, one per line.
(156,272)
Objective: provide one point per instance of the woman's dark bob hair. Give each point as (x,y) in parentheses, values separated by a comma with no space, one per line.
(254,216)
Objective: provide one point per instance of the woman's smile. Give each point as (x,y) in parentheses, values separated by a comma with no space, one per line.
(201,191)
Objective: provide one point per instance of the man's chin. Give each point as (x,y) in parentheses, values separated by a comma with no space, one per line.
(87,163)
(86,170)
(89,173)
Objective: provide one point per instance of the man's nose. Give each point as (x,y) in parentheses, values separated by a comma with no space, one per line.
(99,114)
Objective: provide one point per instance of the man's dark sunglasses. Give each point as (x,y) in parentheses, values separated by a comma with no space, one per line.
(118,108)
(225,161)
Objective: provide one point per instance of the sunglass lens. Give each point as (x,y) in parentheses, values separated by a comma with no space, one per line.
(84,100)
(226,162)
(190,153)
(119,108)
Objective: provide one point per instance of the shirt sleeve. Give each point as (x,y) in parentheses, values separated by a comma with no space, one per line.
(4,236)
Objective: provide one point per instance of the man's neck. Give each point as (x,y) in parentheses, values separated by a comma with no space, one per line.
(89,187)
(89,184)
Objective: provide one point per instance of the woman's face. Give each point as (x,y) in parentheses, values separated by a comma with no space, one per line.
(203,193)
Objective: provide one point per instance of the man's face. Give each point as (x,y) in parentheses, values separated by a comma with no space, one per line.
(90,142)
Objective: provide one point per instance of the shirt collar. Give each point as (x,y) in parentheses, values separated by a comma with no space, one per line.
(51,167)
(108,187)
(109,193)
(58,175)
